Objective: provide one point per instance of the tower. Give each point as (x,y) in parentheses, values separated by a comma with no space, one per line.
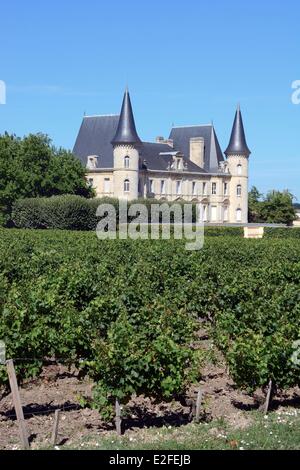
(126,155)
(237,154)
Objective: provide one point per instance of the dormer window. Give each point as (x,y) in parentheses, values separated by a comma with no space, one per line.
(92,161)
(126,162)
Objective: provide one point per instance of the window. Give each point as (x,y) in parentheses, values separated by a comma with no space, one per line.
(151,186)
(92,162)
(204,188)
(225,189)
(204,214)
(178,164)
(126,162)
(126,186)
(194,188)
(178,187)
(162,187)
(239,215)
(239,169)
(225,214)
(213,213)
(106,185)
(214,188)
(91,182)
(239,190)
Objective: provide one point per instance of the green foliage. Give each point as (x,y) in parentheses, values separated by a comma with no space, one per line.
(125,311)
(147,354)
(32,167)
(70,212)
(282,232)
(275,207)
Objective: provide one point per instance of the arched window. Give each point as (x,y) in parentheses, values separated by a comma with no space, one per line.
(126,162)
(239,215)
(239,169)
(126,186)
(239,190)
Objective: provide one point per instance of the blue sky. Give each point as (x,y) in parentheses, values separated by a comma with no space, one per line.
(186,62)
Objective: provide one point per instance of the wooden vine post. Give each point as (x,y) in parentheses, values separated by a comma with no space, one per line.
(17,403)
(55,427)
(269,394)
(198,406)
(118,418)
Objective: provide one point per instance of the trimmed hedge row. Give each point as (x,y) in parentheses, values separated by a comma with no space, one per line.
(291,232)
(71,212)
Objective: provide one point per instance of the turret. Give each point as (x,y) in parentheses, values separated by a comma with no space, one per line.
(126,143)
(237,154)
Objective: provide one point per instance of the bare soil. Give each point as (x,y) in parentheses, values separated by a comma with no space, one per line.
(59,388)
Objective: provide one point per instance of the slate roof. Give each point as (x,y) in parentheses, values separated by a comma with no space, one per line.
(238,144)
(212,152)
(94,138)
(151,152)
(97,133)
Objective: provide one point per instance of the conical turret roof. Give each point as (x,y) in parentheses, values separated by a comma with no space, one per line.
(126,131)
(238,144)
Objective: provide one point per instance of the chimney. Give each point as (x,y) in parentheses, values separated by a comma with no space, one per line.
(197,151)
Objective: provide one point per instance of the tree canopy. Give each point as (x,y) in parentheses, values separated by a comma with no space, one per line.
(275,207)
(33,167)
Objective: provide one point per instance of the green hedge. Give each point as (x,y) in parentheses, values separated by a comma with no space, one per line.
(71,212)
(291,232)
(224,231)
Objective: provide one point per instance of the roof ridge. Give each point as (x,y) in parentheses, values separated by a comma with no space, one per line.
(157,143)
(101,115)
(193,125)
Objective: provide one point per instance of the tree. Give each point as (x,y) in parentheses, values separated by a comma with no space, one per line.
(278,207)
(275,207)
(33,167)
(254,205)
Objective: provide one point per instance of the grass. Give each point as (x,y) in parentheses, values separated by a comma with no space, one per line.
(278,431)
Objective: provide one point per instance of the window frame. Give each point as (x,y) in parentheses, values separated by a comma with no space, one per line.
(178,187)
(126,162)
(126,185)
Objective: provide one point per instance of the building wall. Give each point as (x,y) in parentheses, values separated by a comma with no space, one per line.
(124,173)
(239,169)
(97,181)
(216,208)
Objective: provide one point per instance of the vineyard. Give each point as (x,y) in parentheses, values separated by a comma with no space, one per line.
(127,314)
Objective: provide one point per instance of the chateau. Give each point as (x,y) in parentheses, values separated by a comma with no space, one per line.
(189,165)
